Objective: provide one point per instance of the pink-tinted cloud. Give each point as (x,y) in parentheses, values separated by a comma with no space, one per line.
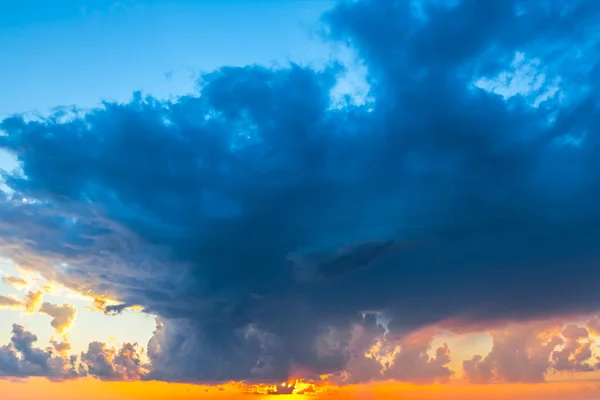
(520,353)
(376,355)
(576,353)
(593,325)
(529,352)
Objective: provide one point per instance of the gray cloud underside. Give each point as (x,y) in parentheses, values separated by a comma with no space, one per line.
(22,358)
(254,218)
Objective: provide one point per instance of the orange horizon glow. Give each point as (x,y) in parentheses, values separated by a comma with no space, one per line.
(92,389)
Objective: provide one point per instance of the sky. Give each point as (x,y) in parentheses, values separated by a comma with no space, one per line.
(361,199)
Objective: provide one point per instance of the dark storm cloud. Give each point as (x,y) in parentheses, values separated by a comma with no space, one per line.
(240,215)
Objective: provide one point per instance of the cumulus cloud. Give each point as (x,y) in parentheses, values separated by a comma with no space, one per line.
(62,315)
(33,300)
(259,222)
(576,353)
(372,354)
(520,353)
(413,363)
(109,364)
(527,353)
(21,359)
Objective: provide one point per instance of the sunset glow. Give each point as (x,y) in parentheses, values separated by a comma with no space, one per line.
(308,199)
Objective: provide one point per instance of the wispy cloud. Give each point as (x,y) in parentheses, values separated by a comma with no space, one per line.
(16,282)
(9,302)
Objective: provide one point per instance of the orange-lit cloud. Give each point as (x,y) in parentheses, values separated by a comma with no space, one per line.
(33,300)
(9,302)
(593,326)
(62,315)
(16,282)
(528,352)
(532,352)
(110,306)
(96,390)
(291,387)
(29,304)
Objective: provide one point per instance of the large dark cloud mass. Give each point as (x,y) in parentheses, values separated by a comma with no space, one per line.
(260,222)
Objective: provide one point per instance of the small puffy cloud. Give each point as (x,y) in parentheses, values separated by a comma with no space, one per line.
(16,282)
(108,306)
(9,302)
(61,348)
(48,288)
(62,315)
(107,363)
(98,304)
(576,352)
(21,359)
(33,300)
(283,389)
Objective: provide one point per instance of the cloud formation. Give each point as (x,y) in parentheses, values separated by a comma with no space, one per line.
(16,282)
(62,315)
(593,326)
(30,302)
(259,222)
(9,302)
(526,353)
(20,358)
(33,300)
(519,354)
(106,363)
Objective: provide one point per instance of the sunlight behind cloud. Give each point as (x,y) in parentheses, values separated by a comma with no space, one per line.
(405,208)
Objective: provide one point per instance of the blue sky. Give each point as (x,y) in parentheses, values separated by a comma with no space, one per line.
(80,52)
(270,227)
